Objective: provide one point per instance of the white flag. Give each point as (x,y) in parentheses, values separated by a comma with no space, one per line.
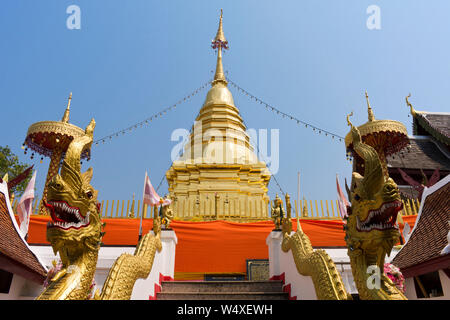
(25,206)
(150,196)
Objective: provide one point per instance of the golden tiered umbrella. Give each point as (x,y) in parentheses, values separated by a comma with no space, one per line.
(51,139)
(387,137)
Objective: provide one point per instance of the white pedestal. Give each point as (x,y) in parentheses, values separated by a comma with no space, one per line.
(273,241)
(282,266)
(163,268)
(169,242)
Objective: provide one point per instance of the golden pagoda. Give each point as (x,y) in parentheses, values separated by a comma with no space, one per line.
(219,176)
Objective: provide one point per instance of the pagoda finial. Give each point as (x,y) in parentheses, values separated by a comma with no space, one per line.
(65,117)
(218,43)
(220,36)
(369,109)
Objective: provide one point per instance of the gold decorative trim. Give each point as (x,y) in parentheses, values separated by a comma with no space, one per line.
(377,126)
(55,127)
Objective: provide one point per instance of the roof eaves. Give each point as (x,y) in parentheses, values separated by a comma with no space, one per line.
(421,120)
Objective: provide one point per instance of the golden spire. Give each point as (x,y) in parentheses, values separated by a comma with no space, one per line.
(369,109)
(220,36)
(65,117)
(218,43)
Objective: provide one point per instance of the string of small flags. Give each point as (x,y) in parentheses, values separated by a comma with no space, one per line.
(179,155)
(272,176)
(259,154)
(161,181)
(285,115)
(147,121)
(279,187)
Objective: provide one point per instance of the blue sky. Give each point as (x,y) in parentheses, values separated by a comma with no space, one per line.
(130,59)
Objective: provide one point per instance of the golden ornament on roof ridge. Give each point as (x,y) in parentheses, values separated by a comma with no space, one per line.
(413,111)
(65,117)
(369,109)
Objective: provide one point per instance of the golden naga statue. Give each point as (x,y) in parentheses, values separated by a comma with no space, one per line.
(277,212)
(76,232)
(314,263)
(371,232)
(166,216)
(371,228)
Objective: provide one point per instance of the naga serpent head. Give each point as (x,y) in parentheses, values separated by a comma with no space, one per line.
(375,203)
(72,202)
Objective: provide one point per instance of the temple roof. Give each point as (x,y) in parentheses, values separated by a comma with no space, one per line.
(15,255)
(429,235)
(433,123)
(424,154)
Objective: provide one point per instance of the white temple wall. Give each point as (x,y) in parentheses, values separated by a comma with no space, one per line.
(410,290)
(302,286)
(164,264)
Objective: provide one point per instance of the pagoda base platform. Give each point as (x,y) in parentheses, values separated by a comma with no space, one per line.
(210,247)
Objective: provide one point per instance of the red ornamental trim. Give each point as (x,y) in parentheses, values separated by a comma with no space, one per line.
(286,287)
(48,152)
(158,285)
(217,43)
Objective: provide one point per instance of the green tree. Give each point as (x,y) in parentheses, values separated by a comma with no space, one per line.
(9,163)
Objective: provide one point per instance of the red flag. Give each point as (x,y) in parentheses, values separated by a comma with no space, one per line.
(14,182)
(343,202)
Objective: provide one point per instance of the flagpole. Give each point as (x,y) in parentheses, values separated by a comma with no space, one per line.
(339,197)
(143,204)
(298,193)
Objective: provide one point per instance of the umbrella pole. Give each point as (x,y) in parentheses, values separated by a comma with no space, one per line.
(53,169)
